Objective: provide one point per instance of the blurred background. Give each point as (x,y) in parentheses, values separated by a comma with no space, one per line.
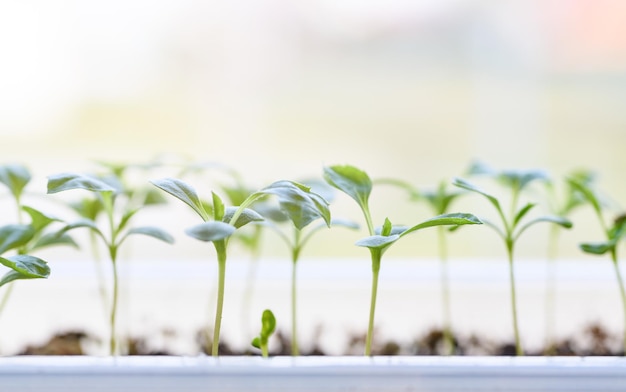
(278,89)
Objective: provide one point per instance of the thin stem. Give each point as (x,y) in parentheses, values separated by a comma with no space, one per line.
(368,218)
(265,352)
(376,256)
(294,329)
(445,291)
(518,344)
(621,290)
(220,247)
(553,242)
(112,320)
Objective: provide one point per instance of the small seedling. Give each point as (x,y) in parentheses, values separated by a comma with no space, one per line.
(268,325)
(296,200)
(512,226)
(613,235)
(16,177)
(357,184)
(107,194)
(439,201)
(560,204)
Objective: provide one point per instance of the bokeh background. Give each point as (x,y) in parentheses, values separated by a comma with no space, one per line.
(277,89)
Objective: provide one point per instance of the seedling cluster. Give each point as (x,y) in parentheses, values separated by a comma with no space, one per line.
(294,211)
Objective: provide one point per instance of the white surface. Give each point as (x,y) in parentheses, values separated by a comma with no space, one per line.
(312,374)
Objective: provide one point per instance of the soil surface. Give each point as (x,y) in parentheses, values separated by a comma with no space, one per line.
(594,340)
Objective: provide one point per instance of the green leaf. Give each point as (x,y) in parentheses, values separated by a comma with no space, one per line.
(83,223)
(586,191)
(14,236)
(519,179)
(248,215)
(24,267)
(454,219)
(387,226)
(473,188)
(297,201)
(66,181)
(15,177)
(53,239)
(125,219)
(218,207)
(563,222)
(440,200)
(268,323)
(597,248)
(153,197)
(88,208)
(211,231)
(150,231)
(521,213)
(350,180)
(256,342)
(183,192)
(39,220)
(377,241)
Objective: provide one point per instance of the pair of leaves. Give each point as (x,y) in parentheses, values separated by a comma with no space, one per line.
(22,266)
(519,215)
(389,234)
(515,179)
(68,181)
(296,200)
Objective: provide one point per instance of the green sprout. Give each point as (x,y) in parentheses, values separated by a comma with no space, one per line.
(268,325)
(107,193)
(296,200)
(512,226)
(357,184)
(31,237)
(439,201)
(613,235)
(560,204)
(296,243)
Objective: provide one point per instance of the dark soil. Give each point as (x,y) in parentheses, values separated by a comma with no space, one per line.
(594,340)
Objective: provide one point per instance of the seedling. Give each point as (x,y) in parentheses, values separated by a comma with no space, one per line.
(118,230)
(613,235)
(296,200)
(268,325)
(439,201)
(36,236)
(296,244)
(512,226)
(569,200)
(357,184)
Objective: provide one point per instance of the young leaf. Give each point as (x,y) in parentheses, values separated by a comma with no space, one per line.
(66,181)
(14,236)
(83,223)
(211,231)
(150,231)
(268,323)
(563,222)
(521,213)
(53,239)
(246,216)
(183,192)
(256,342)
(454,219)
(520,178)
(588,193)
(461,183)
(597,248)
(350,180)
(39,220)
(218,207)
(125,218)
(377,241)
(298,202)
(29,267)
(88,208)
(15,177)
